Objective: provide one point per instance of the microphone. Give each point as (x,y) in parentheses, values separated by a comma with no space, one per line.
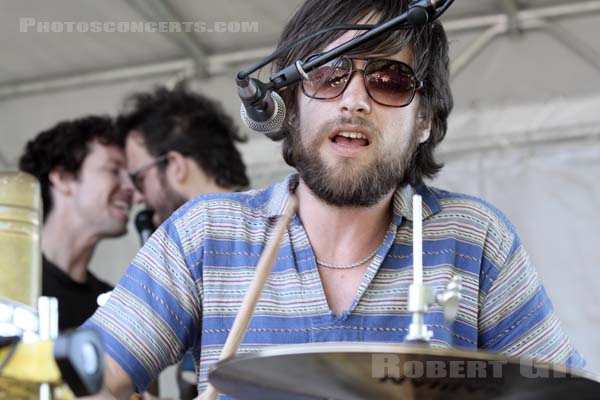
(144,225)
(262,109)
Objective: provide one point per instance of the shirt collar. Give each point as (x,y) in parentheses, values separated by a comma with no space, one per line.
(280,194)
(403,202)
(402,199)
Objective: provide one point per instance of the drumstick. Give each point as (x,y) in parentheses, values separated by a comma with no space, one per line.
(263,270)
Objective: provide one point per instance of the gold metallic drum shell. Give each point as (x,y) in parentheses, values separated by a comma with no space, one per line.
(20,248)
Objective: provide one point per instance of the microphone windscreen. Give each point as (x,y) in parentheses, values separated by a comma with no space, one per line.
(271,125)
(143,221)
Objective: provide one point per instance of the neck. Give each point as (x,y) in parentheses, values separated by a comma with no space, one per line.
(68,245)
(209,187)
(198,183)
(343,234)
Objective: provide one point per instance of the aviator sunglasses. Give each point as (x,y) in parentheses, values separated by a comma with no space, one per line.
(388,82)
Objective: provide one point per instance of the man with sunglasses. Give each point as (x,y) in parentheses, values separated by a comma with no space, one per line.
(361,132)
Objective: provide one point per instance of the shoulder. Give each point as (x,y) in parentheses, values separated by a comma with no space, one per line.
(472,207)
(223,215)
(480,219)
(214,206)
(251,203)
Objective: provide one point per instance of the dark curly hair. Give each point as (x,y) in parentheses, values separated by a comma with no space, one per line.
(65,146)
(191,124)
(429,46)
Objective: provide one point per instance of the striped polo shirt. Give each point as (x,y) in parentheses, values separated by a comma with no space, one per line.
(184,287)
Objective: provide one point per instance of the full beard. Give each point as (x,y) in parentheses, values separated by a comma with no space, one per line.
(350,183)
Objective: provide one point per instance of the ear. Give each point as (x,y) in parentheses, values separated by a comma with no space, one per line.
(423,128)
(177,168)
(61,180)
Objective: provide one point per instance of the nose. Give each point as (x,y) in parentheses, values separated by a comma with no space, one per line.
(355,98)
(126,184)
(138,198)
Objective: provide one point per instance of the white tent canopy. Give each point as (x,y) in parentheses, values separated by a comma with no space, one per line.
(524,132)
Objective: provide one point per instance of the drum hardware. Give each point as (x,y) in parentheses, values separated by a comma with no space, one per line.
(18,320)
(48,329)
(36,362)
(420,296)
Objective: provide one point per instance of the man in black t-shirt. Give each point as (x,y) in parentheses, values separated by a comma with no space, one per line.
(87,197)
(77,300)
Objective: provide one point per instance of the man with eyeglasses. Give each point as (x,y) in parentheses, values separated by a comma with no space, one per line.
(361,132)
(86,197)
(179,145)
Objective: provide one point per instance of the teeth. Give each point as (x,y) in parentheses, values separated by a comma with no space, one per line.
(352,135)
(122,205)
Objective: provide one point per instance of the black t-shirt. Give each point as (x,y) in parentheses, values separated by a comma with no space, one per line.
(76,301)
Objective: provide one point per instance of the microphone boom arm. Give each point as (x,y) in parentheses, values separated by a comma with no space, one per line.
(419,13)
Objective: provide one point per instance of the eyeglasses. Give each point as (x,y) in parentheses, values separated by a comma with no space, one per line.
(137,176)
(388,82)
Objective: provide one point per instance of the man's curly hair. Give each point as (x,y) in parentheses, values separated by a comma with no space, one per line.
(65,146)
(191,124)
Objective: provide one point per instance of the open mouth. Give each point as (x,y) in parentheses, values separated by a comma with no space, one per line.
(123,206)
(350,139)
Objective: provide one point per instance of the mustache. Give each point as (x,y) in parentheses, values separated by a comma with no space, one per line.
(359,122)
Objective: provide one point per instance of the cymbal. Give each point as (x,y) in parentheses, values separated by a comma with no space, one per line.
(356,371)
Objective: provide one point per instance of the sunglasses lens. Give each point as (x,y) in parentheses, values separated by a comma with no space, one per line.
(390,82)
(327,81)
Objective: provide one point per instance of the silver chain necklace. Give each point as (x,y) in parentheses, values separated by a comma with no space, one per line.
(348,266)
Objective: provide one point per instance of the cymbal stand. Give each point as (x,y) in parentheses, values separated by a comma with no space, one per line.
(420,296)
